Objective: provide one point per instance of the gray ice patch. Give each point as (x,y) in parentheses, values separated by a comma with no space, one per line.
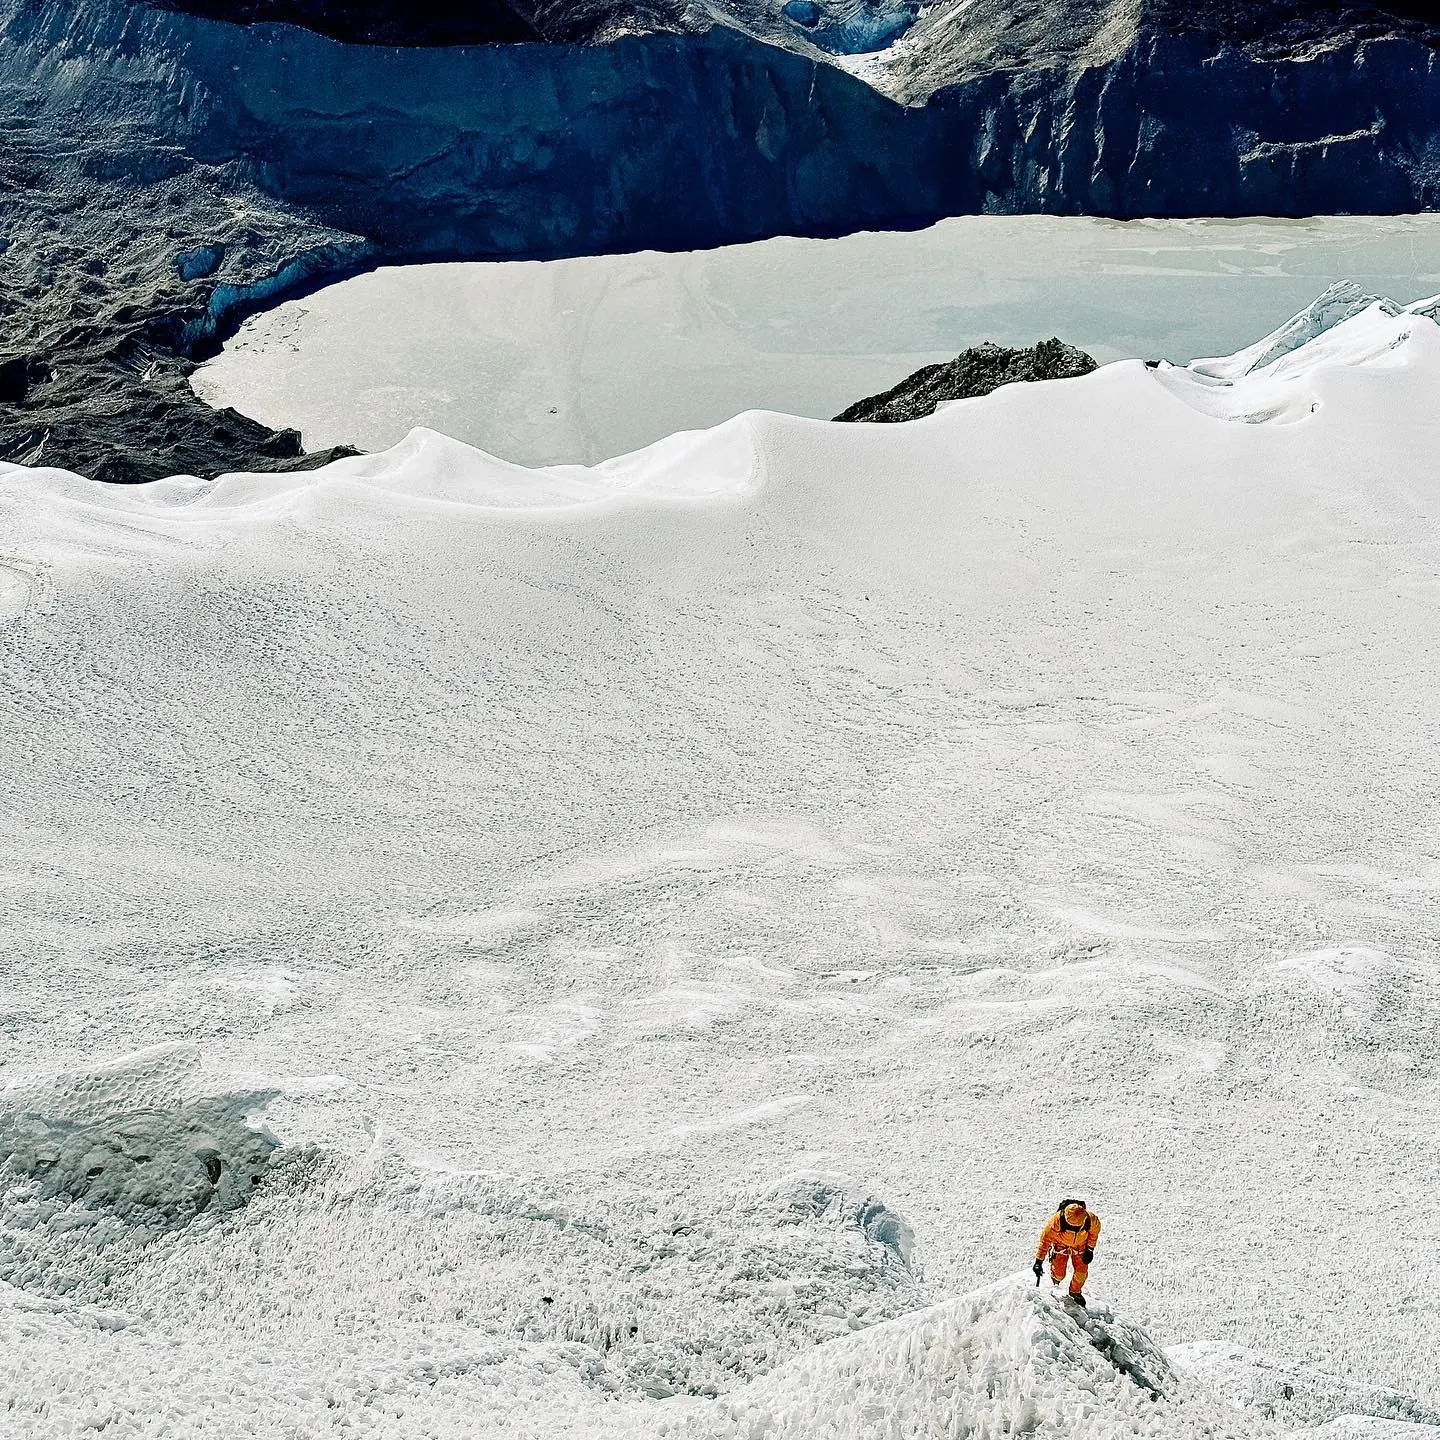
(144,1138)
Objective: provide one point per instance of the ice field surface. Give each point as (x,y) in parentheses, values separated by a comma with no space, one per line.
(578,360)
(658,933)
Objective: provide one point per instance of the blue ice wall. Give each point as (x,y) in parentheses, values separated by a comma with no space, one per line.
(854,27)
(661,141)
(686,141)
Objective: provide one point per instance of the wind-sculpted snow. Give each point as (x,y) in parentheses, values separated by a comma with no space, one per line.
(1276,380)
(1005,1361)
(1342,301)
(670,898)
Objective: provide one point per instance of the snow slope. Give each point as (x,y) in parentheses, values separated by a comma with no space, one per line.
(682,918)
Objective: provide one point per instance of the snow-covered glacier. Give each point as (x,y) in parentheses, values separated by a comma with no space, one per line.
(582,359)
(280,157)
(619,950)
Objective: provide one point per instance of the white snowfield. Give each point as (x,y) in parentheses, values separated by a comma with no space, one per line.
(542,361)
(615,951)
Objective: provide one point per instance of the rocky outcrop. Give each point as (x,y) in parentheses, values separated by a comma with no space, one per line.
(972,373)
(378,22)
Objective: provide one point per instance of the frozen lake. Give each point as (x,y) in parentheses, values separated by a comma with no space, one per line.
(578,360)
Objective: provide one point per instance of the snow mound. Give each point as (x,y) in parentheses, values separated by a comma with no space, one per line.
(142,1137)
(1365,1427)
(1297,1394)
(1341,302)
(691,465)
(1281,379)
(1007,1360)
(424,472)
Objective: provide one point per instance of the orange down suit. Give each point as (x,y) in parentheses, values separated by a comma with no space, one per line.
(1065,1246)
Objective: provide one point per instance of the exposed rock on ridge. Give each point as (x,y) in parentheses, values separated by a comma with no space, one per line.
(972,373)
(958,41)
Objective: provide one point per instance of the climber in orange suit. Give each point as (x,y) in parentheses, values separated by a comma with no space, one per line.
(1069,1240)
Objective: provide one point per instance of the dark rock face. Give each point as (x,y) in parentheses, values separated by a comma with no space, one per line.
(377,22)
(19,375)
(970,374)
(166,174)
(451,22)
(1176,126)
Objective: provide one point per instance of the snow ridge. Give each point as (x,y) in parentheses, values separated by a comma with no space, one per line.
(1008,1360)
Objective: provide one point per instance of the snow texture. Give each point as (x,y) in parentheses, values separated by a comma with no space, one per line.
(1365,1427)
(1295,1394)
(654,904)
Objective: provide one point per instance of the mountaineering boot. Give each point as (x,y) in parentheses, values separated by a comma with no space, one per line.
(1078,1299)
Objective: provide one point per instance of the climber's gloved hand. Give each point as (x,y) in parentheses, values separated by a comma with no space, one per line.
(1087,1254)
(1038,1268)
